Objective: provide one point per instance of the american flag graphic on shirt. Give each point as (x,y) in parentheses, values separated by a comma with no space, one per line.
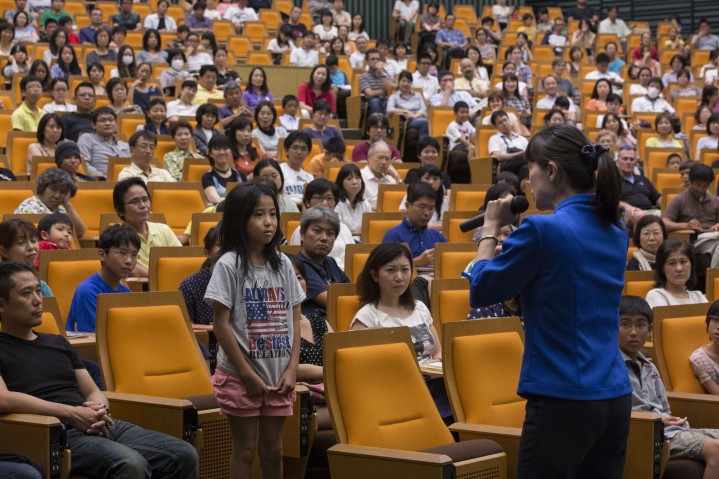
(267,319)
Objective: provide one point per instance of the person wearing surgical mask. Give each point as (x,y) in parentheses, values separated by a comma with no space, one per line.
(168,78)
(126,67)
(653,101)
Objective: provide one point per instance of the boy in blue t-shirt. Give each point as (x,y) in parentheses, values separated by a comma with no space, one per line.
(119,246)
(649,395)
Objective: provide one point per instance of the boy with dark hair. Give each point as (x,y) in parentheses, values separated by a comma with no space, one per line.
(684,171)
(118,248)
(460,131)
(334,150)
(289,119)
(42,374)
(649,394)
(55,233)
(27,116)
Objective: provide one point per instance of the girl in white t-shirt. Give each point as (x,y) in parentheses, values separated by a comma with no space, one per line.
(383,287)
(351,205)
(256,301)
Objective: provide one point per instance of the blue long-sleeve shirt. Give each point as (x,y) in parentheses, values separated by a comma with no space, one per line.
(569,270)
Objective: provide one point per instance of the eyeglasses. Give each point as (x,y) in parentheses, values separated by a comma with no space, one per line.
(137,201)
(423,208)
(639,325)
(327,198)
(125,254)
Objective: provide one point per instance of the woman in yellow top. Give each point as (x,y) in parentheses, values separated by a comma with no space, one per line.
(664,125)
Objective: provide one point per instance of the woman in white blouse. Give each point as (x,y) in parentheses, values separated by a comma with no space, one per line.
(674,275)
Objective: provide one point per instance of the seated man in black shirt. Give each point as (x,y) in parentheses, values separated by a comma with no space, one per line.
(639,197)
(80,121)
(318,229)
(42,374)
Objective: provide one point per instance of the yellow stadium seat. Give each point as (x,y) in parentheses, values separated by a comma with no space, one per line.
(93,198)
(381,442)
(271,18)
(259,58)
(16,150)
(355,258)
(223,30)
(201,225)
(638,283)
(13,193)
(194,168)
(170,265)
(389,197)
(240,46)
(450,301)
(467,197)
(451,259)
(177,201)
(64,270)
(289,222)
(450,225)
(342,305)
(127,123)
(256,31)
(439,119)
(375,225)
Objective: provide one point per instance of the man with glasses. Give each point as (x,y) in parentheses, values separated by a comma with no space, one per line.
(421,205)
(639,196)
(374,84)
(206,86)
(97,147)
(131,200)
(118,248)
(357,58)
(80,121)
(422,79)
(142,151)
(298,145)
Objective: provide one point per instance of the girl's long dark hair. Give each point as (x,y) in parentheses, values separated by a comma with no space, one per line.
(240,124)
(345,172)
(563,144)
(240,206)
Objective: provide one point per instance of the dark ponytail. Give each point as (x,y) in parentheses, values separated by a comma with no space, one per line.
(578,159)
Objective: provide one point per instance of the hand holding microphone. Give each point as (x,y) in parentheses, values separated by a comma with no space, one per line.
(502,210)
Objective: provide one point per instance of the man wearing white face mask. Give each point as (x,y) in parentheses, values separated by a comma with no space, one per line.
(652,102)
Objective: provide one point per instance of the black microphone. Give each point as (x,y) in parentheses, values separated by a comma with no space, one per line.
(518,205)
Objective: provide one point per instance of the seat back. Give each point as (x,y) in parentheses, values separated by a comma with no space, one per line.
(342,305)
(202,223)
(64,270)
(450,226)
(482,360)
(389,197)
(13,193)
(638,283)
(170,265)
(712,285)
(467,197)
(146,346)
(450,301)
(355,258)
(439,119)
(52,322)
(178,201)
(93,198)
(374,405)
(451,259)
(375,225)
(678,332)
(17,145)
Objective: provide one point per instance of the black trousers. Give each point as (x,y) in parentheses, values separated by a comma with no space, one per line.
(567,439)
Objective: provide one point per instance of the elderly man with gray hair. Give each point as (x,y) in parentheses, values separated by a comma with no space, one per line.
(319,227)
(234,104)
(54,189)
(378,171)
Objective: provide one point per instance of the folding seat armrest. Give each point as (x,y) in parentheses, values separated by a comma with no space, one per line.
(380,463)
(176,417)
(507,437)
(40,438)
(644,446)
(701,409)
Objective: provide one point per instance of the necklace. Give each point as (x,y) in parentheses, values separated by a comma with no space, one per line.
(222,172)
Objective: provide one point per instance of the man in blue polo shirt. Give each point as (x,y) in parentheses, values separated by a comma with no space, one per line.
(421,204)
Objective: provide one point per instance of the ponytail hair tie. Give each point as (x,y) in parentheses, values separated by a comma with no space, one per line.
(591,153)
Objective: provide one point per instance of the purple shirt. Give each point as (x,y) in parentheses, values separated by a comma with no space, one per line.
(253,98)
(192,22)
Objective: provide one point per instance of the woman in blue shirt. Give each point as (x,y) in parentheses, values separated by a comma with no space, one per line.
(569,270)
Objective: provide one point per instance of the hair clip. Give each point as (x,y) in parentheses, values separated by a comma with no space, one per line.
(591,153)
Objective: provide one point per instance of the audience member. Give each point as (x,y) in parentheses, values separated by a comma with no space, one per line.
(142,151)
(80,121)
(118,248)
(27,116)
(675,273)
(97,147)
(194,286)
(649,233)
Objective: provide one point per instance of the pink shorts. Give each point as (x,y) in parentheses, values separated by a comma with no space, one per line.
(232,397)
